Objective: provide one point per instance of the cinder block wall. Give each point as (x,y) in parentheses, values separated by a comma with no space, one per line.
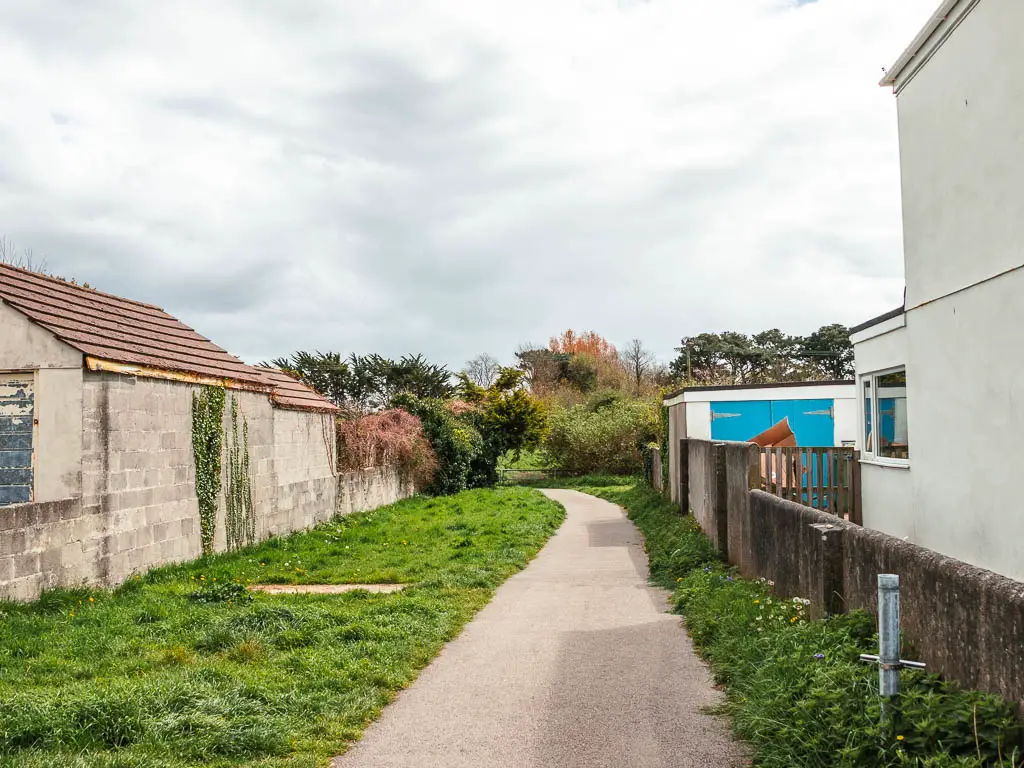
(138,507)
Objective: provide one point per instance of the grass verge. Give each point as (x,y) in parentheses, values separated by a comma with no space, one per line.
(185,667)
(795,688)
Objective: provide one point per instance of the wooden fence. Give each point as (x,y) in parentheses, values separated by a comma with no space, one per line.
(827,479)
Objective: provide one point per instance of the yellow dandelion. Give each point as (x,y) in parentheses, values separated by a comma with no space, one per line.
(899,738)
(756,602)
(92,599)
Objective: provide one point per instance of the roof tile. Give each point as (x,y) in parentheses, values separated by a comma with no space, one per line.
(125,331)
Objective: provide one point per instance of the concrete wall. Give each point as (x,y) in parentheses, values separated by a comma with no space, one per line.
(676,431)
(701,483)
(57,369)
(138,507)
(964,622)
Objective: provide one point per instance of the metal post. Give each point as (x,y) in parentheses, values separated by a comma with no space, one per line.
(888,658)
(888,638)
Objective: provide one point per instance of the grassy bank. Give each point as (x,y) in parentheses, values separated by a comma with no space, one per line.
(185,667)
(795,688)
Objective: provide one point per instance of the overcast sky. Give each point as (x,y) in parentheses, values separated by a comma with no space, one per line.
(459,176)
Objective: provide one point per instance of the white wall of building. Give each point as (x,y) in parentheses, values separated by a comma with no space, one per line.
(698,420)
(961,117)
(961,123)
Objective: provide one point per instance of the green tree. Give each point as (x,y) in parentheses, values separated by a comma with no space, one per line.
(323,371)
(508,418)
(366,383)
(829,352)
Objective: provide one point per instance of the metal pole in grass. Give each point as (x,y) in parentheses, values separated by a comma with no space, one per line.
(888,635)
(888,658)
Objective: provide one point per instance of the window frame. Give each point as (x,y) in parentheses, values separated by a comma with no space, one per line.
(871,456)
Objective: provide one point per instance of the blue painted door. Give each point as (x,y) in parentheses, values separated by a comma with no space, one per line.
(812,421)
(17,414)
(740,421)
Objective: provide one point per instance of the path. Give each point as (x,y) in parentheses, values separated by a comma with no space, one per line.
(574,664)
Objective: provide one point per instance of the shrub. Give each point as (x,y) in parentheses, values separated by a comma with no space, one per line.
(607,436)
(390,438)
(455,444)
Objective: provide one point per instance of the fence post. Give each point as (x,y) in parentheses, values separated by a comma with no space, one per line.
(831,599)
(684,475)
(721,505)
(856,512)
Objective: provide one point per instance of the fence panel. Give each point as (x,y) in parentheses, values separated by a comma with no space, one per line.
(824,478)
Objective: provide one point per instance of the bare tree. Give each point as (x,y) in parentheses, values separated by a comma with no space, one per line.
(482,370)
(25,259)
(638,362)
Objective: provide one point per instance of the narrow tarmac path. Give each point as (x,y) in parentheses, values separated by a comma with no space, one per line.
(575,663)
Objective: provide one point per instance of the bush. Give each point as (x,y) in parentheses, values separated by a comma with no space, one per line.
(390,438)
(796,688)
(606,436)
(455,444)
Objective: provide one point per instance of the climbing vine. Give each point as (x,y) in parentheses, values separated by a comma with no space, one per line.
(207,435)
(240,516)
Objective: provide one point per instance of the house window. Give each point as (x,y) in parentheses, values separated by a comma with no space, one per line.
(884,403)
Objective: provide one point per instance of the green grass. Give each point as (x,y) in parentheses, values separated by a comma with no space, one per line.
(795,688)
(148,676)
(527,460)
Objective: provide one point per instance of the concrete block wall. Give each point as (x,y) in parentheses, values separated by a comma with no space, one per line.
(371,488)
(138,507)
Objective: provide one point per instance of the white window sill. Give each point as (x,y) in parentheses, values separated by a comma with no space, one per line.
(887,463)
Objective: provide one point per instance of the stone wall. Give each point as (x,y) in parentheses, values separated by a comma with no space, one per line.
(963,621)
(138,507)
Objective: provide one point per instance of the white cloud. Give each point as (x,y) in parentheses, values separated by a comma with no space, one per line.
(451,177)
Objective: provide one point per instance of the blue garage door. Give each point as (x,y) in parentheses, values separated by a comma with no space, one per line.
(740,421)
(17,412)
(812,421)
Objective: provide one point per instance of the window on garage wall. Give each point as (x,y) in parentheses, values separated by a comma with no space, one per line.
(17,426)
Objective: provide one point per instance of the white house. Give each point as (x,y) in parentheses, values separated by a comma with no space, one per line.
(941,380)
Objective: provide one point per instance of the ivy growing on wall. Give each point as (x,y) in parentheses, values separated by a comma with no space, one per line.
(207,435)
(240,516)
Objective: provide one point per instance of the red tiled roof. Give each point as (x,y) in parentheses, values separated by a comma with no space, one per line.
(124,331)
(291,393)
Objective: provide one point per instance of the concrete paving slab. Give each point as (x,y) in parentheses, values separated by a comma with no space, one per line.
(574,664)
